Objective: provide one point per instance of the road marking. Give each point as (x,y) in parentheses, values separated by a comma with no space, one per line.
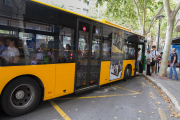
(153,96)
(143,84)
(59,110)
(127,89)
(162,114)
(103,96)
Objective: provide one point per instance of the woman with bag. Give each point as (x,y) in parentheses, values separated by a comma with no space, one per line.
(148,62)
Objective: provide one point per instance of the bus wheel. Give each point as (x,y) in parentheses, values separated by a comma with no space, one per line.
(20,96)
(129,71)
(126,73)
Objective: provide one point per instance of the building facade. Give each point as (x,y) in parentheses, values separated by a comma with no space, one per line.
(78,6)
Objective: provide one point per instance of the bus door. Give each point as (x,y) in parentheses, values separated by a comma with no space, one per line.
(141,47)
(88,56)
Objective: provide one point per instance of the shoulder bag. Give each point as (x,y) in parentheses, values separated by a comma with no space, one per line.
(148,62)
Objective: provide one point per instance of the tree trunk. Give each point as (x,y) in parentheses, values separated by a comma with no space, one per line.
(168,41)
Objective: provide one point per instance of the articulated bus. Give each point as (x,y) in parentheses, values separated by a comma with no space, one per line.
(48,52)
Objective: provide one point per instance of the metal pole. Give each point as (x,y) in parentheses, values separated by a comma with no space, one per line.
(158,34)
(156,67)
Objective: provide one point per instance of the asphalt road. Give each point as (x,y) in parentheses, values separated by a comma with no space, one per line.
(134,99)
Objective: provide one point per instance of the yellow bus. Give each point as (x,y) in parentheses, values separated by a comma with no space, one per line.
(48,52)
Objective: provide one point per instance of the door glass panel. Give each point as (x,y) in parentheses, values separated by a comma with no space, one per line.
(95,55)
(83,54)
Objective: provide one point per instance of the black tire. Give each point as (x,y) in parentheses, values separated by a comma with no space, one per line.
(20,96)
(125,74)
(129,71)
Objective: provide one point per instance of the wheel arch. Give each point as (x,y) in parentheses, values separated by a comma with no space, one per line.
(130,67)
(38,80)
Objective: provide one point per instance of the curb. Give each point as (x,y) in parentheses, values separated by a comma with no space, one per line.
(170,96)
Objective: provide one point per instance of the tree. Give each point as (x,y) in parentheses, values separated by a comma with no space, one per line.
(169,31)
(126,9)
(142,23)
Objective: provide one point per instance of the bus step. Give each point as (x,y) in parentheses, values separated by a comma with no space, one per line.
(86,89)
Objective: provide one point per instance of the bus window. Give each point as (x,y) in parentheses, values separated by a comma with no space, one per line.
(66,51)
(131,52)
(44,50)
(27,49)
(106,44)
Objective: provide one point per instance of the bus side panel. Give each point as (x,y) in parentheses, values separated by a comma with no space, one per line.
(105,70)
(46,73)
(133,62)
(65,76)
(125,63)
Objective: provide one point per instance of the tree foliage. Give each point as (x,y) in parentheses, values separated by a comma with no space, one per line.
(137,12)
(123,12)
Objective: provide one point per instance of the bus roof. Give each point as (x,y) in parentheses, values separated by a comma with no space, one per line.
(103,21)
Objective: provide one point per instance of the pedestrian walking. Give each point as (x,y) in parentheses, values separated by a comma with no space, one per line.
(174,59)
(154,54)
(148,62)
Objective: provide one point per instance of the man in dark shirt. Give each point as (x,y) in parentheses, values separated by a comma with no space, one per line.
(173,64)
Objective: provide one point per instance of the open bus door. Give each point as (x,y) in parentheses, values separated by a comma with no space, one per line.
(138,42)
(141,46)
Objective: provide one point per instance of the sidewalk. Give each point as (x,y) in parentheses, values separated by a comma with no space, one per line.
(171,88)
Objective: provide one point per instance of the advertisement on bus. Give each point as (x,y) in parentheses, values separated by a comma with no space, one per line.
(116,57)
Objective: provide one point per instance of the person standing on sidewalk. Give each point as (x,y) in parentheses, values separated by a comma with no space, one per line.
(174,58)
(159,60)
(148,57)
(154,54)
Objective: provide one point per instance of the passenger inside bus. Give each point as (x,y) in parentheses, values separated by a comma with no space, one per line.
(2,48)
(51,55)
(11,54)
(34,61)
(40,51)
(67,53)
(61,58)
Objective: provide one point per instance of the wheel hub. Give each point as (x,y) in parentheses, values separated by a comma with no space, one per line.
(20,94)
